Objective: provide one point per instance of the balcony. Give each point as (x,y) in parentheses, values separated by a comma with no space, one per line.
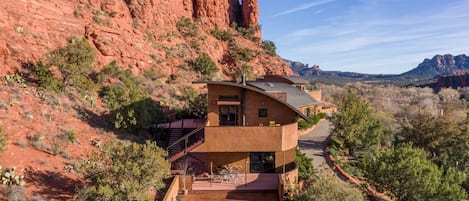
(249,138)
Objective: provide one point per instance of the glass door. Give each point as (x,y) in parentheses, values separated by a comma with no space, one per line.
(228,115)
(262,162)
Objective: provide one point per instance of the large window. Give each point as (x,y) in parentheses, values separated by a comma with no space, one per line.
(262,162)
(228,115)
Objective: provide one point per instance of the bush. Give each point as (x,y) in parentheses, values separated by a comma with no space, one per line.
(237,54)
(46,78)
(15,193)
(303,125)
(314,119)
(70,136)
(222,35)
(3,140)
(75,62)
(187,27)
(135,169)
(327,187)
(56,145)
(37,141)
(269,47)
(205,65)
(305,166)
(248,33)
(131,106)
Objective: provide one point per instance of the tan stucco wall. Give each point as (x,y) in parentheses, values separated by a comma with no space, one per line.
(316,94)
(249,139)
(290,157)
(241,160)
(277,111)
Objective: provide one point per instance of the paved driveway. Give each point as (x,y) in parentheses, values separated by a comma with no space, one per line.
(313,143)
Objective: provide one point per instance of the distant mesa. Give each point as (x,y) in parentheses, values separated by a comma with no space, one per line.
(439,65)
(427,71)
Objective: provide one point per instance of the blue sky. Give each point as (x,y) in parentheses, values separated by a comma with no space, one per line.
(367,36)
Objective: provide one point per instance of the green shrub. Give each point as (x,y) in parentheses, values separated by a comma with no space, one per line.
(222,35)
(3,140)
(237,54)
(113,96)
(131,106)
(187,27)
(305,166)
(269,47)
(70,136)
(135,169)
(195,103)
(303,125)
(314,119)
(75,62)
(248,33)
(46,78)
(321,115)
(205,65)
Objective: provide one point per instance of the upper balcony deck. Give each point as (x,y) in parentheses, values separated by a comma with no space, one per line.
(249,138)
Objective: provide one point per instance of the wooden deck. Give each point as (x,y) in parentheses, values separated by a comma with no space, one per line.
(248,182)
(231,196)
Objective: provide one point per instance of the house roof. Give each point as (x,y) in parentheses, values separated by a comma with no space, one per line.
(290,79)
(261,92)
(295,96)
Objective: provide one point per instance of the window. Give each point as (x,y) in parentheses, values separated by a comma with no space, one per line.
(262,112)
(228,115)
(228,98)
(262,162)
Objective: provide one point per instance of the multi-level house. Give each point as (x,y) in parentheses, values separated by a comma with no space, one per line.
(251,126)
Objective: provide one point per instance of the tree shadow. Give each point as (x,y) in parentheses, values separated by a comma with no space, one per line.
(312,144)
(52,185)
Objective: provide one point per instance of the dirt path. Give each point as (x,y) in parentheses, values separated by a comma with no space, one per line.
(314,142)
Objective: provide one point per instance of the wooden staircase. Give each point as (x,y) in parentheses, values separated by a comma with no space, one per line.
(181,147)
(174,135)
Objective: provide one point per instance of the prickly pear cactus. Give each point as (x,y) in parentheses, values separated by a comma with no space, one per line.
(9,177)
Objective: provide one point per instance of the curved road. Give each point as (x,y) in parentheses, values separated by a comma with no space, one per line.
(314,143)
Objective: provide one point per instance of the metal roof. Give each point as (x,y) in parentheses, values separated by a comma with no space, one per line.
(292,107)
(291,79)
(295,96)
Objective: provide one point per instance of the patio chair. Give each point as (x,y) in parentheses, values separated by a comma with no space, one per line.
(216,178)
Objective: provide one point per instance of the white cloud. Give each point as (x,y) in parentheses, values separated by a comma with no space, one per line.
(303,7)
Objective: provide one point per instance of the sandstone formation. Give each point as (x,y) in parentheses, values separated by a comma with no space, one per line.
(132,32)
(251,15)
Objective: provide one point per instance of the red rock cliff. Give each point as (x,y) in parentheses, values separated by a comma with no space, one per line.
(137,33)
(251,15)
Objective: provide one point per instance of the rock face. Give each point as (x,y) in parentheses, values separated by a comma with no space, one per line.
(251,15)
(138,34)
(439,65)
